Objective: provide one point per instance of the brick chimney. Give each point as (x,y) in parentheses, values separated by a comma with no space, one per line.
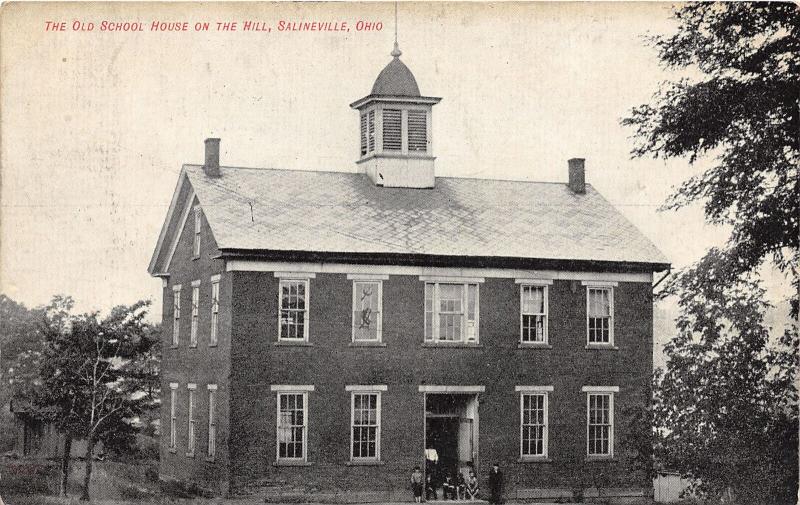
(577,176)
(211,168)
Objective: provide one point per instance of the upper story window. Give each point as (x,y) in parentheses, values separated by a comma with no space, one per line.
(293,310)
(195,313)
(176,314)
(214,310)
(197,228)
(600,314)
(600,420)
(451,312)
(392,130)
(367,302)
(417,131)
(533,314)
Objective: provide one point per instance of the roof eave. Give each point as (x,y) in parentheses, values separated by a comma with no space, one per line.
(428,100)
(413,259)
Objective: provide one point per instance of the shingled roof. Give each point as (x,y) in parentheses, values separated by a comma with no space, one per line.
(340,212)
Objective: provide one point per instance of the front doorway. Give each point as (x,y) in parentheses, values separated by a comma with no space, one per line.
(451,437)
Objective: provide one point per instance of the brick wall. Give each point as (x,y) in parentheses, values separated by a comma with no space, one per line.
(330,364)
(201,365)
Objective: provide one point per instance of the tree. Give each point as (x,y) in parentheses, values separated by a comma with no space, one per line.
(742,109)
(727,403)
(726,407)
(91,375)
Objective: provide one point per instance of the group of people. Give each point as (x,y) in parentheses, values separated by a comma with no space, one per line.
(455,487)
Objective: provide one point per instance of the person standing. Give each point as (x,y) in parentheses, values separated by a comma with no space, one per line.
(416,484)
(495,485)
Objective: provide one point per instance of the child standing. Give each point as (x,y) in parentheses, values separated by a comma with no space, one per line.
(416,484)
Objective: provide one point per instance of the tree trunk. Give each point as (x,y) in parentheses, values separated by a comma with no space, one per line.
(62,488)
(89,460)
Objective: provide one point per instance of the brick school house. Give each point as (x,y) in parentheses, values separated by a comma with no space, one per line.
(326,332)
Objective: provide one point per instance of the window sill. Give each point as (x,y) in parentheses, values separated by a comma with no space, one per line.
(601,347)
(534,459)
(212,345)
(195,258)
(173,346)
(289,343)
(534,345)
(210,459)
(291,463)
(458,345)
(190,455)
(173,450)
(599,458)
(192,346)
(367,344)
(365,463)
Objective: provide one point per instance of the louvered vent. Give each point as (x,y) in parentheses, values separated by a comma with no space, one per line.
(417,131)
(363,134)
(392,136)
(371,131)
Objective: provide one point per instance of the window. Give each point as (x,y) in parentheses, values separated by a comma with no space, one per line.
(600,420)
(533,402)
(214,310)
(533,313)
(293,309)
(600,314)
(195,313)
(191,434)
(212,421)
(365,422)
(367,310)
(292,425)
(176,314)
(173,417)
(392,130)
(196,243)
(451,312)
(417,131)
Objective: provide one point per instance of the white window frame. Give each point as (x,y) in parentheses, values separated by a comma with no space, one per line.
(214,334)
(291,390)
(434,337)
(543,391)
(195,314)
(197,230)
(307,285)
(610,392)
(176,315)
(366,390)
(607,286)
(546,315)
(173,416)
(191,435)
(378,321)
(211,451)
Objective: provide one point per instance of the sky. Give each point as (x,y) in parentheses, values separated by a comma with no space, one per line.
(95,125)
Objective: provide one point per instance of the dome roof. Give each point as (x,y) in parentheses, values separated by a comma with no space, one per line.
(395,80)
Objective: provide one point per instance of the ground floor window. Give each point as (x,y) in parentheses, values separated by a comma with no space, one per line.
(534,420)
(292,423)
(600,421)
(365,422)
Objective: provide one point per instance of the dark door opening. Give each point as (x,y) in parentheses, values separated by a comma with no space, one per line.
(450,436)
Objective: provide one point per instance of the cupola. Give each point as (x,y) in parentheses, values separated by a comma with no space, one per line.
(396,148)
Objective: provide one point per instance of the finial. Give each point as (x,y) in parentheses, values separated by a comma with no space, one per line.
(396,52)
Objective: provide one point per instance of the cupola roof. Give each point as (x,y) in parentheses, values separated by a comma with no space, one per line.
(395,79)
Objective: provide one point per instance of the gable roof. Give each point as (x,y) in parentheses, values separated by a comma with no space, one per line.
(339,212)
